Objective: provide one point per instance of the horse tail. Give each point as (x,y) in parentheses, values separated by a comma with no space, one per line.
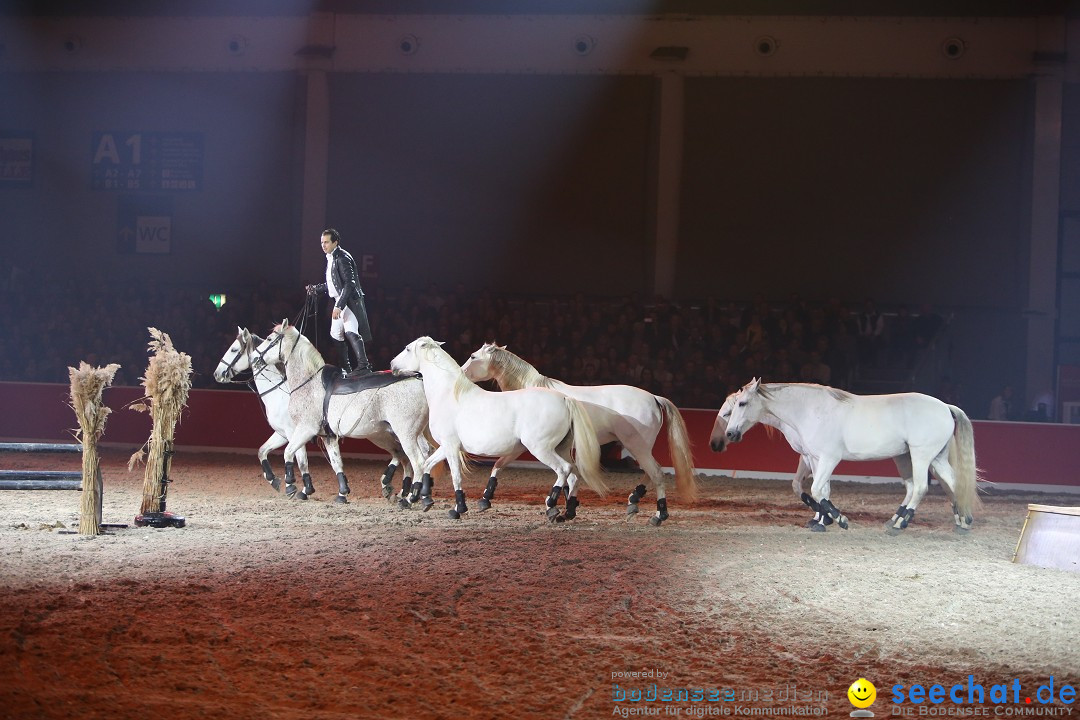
(586,447)
(962,458)
(682,458)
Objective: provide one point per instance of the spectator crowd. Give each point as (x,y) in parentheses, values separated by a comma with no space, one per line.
(691,351)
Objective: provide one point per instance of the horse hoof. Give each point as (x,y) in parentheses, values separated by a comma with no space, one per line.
(655,521)
(842,522)
(893,531)
(454,514)
(961,530)
(553,513)
(387,491)
(632,509)
(341,499)
(426,503)
(811,523)
(484,504)
(290,491)
(301,495)
(275,482)
(817,527)
(404,504)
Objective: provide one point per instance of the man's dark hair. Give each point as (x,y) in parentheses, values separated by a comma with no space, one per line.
(334,235)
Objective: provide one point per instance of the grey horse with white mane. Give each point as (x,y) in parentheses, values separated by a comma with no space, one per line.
(380,407)
(270,384)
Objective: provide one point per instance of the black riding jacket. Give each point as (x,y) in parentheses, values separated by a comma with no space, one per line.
(346,280)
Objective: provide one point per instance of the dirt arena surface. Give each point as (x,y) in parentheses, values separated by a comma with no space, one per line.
(264,607)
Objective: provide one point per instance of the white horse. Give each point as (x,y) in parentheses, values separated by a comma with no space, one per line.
(718,442)
(380,407)
(466,418)
(630,415)
(270,385)
(825,425)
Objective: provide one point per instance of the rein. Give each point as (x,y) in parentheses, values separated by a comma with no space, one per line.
(280,334)
(230,369)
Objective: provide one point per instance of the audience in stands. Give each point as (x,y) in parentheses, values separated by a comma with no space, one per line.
(693,352)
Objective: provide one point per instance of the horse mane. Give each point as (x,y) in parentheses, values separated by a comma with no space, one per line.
(433,353)
(461,384)
(769,391)
(516,372)
(303,352)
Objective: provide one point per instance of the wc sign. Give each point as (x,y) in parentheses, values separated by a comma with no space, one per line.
(144,225)
(153,234)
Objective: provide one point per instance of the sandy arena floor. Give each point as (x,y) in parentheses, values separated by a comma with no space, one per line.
(264,607)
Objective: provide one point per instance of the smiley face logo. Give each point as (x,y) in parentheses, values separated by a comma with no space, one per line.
(862,693)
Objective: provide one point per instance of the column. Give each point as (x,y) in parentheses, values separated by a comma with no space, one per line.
(668,182)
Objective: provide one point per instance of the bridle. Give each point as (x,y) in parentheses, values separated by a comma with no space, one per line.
(279,335)
(257,366)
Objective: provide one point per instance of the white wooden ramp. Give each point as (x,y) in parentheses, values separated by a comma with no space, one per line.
(1050,538)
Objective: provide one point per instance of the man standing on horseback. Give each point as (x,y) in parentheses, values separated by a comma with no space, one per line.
(349,325)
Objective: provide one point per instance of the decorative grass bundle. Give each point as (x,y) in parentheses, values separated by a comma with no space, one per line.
(87,385)
(167,382)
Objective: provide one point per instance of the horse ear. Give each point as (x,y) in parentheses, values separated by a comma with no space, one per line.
(754,384)
(500,347)
(440,343)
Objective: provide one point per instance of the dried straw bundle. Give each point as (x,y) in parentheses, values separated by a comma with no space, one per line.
(87,385)
(167,382)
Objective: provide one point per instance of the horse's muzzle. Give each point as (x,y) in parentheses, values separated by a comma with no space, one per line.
(734,436)
(718,444)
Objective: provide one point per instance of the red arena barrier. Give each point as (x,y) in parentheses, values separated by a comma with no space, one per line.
(1031,456)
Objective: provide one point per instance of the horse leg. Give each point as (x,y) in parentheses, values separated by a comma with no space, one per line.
(903,466)
(819,492)
(565,479)
(298,441)
(333,454)
(656,474)
(806,469)
(801,473)
(489,490)
(425,469)
(945,474)
(453,460)
(305,476)
(388,478)
(412,449)
(920,467)
(272,443)
(493,480)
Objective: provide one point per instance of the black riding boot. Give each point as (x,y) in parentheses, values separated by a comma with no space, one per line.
(343,349)
(362,367)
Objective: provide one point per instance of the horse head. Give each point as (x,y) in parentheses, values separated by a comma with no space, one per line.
(409,359)
(718,440)
(746,411)
(236,359)
(479,366)
(270,350)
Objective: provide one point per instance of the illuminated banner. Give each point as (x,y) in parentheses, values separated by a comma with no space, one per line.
(16,160)
(147,162)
